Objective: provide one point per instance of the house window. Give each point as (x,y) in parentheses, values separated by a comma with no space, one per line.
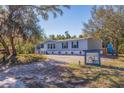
(38,47)
(42,45)
(54,46)
(51,46)
(75,44)
(64,44)
(48,46)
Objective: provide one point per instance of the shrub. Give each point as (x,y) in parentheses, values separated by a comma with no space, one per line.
(121,49)
(23,48)
(28,58)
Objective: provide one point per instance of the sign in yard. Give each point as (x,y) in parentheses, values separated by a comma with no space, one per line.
(92,57)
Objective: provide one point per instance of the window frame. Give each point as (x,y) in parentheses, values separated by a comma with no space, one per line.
(73,45)
(51,46)
(65,46)
(42,45)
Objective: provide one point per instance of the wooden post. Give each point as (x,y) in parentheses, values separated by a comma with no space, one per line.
(79,62)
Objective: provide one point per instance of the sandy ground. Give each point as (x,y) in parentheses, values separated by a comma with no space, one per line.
(73,59)
(47,73)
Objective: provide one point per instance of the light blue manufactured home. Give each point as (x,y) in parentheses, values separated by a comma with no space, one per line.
(68,47)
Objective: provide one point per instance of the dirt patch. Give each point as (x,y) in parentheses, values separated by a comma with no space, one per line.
(62,72)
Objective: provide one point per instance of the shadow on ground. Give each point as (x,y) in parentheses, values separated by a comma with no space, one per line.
(53,73)
(112,67)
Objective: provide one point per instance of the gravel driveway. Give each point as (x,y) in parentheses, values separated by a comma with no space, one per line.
(73,59)
(69,59)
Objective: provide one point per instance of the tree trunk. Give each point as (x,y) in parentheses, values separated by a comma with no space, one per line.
(117,44)
(7,52)
(13,59)
(13,46)
(4,45)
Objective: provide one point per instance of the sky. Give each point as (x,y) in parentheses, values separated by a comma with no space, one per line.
(72,20)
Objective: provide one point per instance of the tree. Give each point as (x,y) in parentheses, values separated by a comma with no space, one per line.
(22,22)
(80,36)
(73,37)
(58,37)
(107,23)
(67,35)
(2,28)
(52,37)
(63,37)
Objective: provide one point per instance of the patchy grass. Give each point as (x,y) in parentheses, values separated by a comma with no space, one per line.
(28,58)
(115,63)
(74,66)
(1,56)
(110,74)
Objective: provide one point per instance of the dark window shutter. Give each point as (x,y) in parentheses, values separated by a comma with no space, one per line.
(66,44)
(72,44)
(51,46)
(62,45)
(77,45)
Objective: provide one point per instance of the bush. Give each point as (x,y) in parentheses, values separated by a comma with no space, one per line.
(25,48)
(28,58)
(121,49)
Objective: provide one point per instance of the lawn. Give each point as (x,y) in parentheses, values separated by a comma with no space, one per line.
(110,74)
